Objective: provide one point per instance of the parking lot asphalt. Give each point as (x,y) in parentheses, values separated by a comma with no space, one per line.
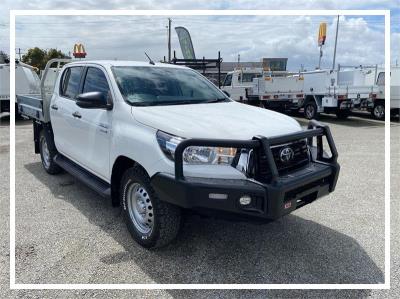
(66,233)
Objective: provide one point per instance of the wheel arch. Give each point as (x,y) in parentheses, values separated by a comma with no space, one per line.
(312,98)
(48,131)
(379,102)
(121,164)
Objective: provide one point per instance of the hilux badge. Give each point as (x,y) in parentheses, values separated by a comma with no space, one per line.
(286,154)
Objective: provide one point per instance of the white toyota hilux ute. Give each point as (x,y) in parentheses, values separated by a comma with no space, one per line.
(159,139)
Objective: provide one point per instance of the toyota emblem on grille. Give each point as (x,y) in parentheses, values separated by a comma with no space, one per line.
(286,154)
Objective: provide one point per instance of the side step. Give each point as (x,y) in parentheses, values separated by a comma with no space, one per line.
(98,185)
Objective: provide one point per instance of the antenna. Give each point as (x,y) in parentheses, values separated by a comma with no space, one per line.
(150,61)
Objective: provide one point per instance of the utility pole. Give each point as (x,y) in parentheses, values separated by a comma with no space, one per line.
(334,51)
(238,60)
(320,57)
(169,39)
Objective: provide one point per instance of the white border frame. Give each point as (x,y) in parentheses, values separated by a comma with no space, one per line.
(14,13)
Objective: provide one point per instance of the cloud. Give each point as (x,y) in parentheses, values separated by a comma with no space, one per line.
(361,39)
(252,37)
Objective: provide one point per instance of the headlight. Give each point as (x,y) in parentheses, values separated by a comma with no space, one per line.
(209,155)
(195,154)
(168,143)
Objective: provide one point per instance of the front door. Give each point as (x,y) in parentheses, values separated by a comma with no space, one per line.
(94,134)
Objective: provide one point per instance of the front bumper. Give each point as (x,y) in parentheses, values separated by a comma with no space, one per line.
(269,200)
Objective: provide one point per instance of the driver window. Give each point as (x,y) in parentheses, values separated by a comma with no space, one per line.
(228,80)
(95,80)
(381,79)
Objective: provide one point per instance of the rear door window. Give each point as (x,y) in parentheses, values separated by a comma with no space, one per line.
(71,81)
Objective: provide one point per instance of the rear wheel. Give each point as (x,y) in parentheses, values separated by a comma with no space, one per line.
(47,155)
(378,112)
(18,116)
(151,222)
(310,110)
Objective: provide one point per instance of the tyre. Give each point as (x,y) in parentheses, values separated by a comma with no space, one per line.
(18,116)
(151,222)
(342,114)
(47,155)
(310,110)
(395,112)
(378,112)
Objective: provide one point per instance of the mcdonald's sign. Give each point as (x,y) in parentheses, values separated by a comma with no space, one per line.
(322,34)
(79,51)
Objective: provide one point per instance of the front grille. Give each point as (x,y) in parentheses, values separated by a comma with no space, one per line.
(299,159)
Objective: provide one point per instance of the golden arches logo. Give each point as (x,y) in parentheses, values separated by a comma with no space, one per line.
(79,51)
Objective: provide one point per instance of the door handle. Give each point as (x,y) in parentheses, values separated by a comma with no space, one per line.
(76,114)
(54,107)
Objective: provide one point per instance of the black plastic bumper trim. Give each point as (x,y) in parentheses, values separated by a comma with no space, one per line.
(271,201)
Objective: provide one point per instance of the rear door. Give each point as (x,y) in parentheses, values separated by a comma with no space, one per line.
(94,135)
(65,124)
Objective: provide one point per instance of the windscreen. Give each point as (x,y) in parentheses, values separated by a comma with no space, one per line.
(147,86)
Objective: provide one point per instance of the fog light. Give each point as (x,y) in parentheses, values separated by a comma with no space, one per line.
(245,200)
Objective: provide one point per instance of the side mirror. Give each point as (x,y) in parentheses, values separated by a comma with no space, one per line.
(93,100)
(227,93)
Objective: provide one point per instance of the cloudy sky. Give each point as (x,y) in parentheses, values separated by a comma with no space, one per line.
(361,38)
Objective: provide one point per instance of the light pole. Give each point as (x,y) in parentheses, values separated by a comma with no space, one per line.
(169,39)
(321,41)
(334,51)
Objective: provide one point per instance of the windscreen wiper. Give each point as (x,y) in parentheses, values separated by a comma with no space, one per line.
(178,102)
(217,100)
(144,104)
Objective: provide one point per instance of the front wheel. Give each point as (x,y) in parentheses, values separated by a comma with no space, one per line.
(379,112)
(151,222)
(310,110)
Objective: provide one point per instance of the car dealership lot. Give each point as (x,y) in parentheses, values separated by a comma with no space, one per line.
(65,233)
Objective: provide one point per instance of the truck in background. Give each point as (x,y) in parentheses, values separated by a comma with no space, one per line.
(377,101)
(310,92)
(362,81)
(26,82)
(238,80)
(280,92)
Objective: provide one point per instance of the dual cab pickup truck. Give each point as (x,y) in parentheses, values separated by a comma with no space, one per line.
(158,139)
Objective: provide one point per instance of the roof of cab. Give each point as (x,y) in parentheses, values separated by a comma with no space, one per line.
(125,63)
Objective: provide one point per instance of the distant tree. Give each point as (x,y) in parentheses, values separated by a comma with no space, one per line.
(4,57)
(54,53)
(38,57)
(35,57)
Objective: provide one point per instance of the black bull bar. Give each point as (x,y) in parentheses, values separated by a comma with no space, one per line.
(314,130)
